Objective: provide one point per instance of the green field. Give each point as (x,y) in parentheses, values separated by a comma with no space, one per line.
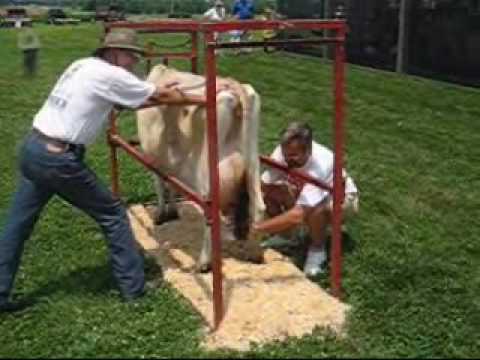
(411,270)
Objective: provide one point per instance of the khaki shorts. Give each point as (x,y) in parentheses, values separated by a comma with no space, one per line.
(350,204)
(282,196)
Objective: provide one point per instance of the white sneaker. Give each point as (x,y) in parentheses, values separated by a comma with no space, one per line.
(314,262)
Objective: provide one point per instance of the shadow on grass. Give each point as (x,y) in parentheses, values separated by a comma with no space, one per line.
(96,281)
(85,281)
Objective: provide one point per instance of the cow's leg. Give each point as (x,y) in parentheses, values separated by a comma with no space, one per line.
(205,260)
(225,104)
(257,205)
(227,184)
(167,207)
(250,151)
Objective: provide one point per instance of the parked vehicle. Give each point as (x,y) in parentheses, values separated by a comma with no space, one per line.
(83,16)
(56,16)
(16,17)
(110,13)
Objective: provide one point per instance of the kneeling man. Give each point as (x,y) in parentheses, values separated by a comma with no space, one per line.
(291,202)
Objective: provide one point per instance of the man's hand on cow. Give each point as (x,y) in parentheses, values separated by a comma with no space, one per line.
(168,94)
(165,95)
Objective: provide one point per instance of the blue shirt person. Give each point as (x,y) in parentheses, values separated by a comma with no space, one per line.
(243,9)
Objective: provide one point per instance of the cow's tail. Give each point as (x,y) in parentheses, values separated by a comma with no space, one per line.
(241,212)
(249,206)
(250,125)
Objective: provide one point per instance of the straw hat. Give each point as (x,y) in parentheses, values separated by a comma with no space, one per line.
(121,38)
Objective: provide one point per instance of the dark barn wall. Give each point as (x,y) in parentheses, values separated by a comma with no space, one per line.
(443,42)
(299,9)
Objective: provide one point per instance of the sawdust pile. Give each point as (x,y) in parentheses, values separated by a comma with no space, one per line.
(263,302)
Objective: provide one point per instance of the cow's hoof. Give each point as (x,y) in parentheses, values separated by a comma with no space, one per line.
(254,252)
(256,259)
(204,268)
(163,217)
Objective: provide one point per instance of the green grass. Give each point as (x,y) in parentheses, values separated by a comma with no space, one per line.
(411,273)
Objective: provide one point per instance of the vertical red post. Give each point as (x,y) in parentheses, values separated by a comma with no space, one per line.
(149,55)
(214,208)
(113,154)
(194,58)
(338,185)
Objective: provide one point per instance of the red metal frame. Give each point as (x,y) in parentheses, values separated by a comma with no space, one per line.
(211,205)
(214,215)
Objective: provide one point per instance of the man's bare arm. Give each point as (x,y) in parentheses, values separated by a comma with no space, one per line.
(164,96)
(291,218)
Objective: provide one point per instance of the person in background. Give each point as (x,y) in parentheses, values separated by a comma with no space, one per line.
(52,159)
(29,43)
(269,14)
(216,13)
(242,10)
(291,202)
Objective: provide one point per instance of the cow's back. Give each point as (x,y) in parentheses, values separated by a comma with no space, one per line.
(176,135)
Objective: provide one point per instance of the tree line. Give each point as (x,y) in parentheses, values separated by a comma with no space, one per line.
(141,6)
(168,6)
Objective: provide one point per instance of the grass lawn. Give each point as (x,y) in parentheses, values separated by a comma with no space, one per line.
(411,272)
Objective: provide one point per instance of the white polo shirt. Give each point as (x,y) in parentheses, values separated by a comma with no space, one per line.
(78,106)
(318,166)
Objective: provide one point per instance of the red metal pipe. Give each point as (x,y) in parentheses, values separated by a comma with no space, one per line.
(194,52)
(191,25)
(273,24)
(169,26)
(278,42)
(214,211)
(150,163)
(338,185)
(173,55)
(295,173)
(113,154)
(149,54)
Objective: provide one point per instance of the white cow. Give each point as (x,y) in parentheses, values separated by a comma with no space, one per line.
(177,137)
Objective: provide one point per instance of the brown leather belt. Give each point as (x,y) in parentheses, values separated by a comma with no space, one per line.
(53,145)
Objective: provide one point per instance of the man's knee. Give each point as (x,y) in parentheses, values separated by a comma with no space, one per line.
(318,215)
(351,204)
(112,215)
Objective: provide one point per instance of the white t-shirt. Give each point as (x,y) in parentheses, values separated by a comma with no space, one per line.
(78,106)
(318,166)
(214,15)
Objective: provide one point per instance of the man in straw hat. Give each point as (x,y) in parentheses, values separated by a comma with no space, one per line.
(52,159)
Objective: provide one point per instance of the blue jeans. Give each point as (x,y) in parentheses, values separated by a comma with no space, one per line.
(44,174)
